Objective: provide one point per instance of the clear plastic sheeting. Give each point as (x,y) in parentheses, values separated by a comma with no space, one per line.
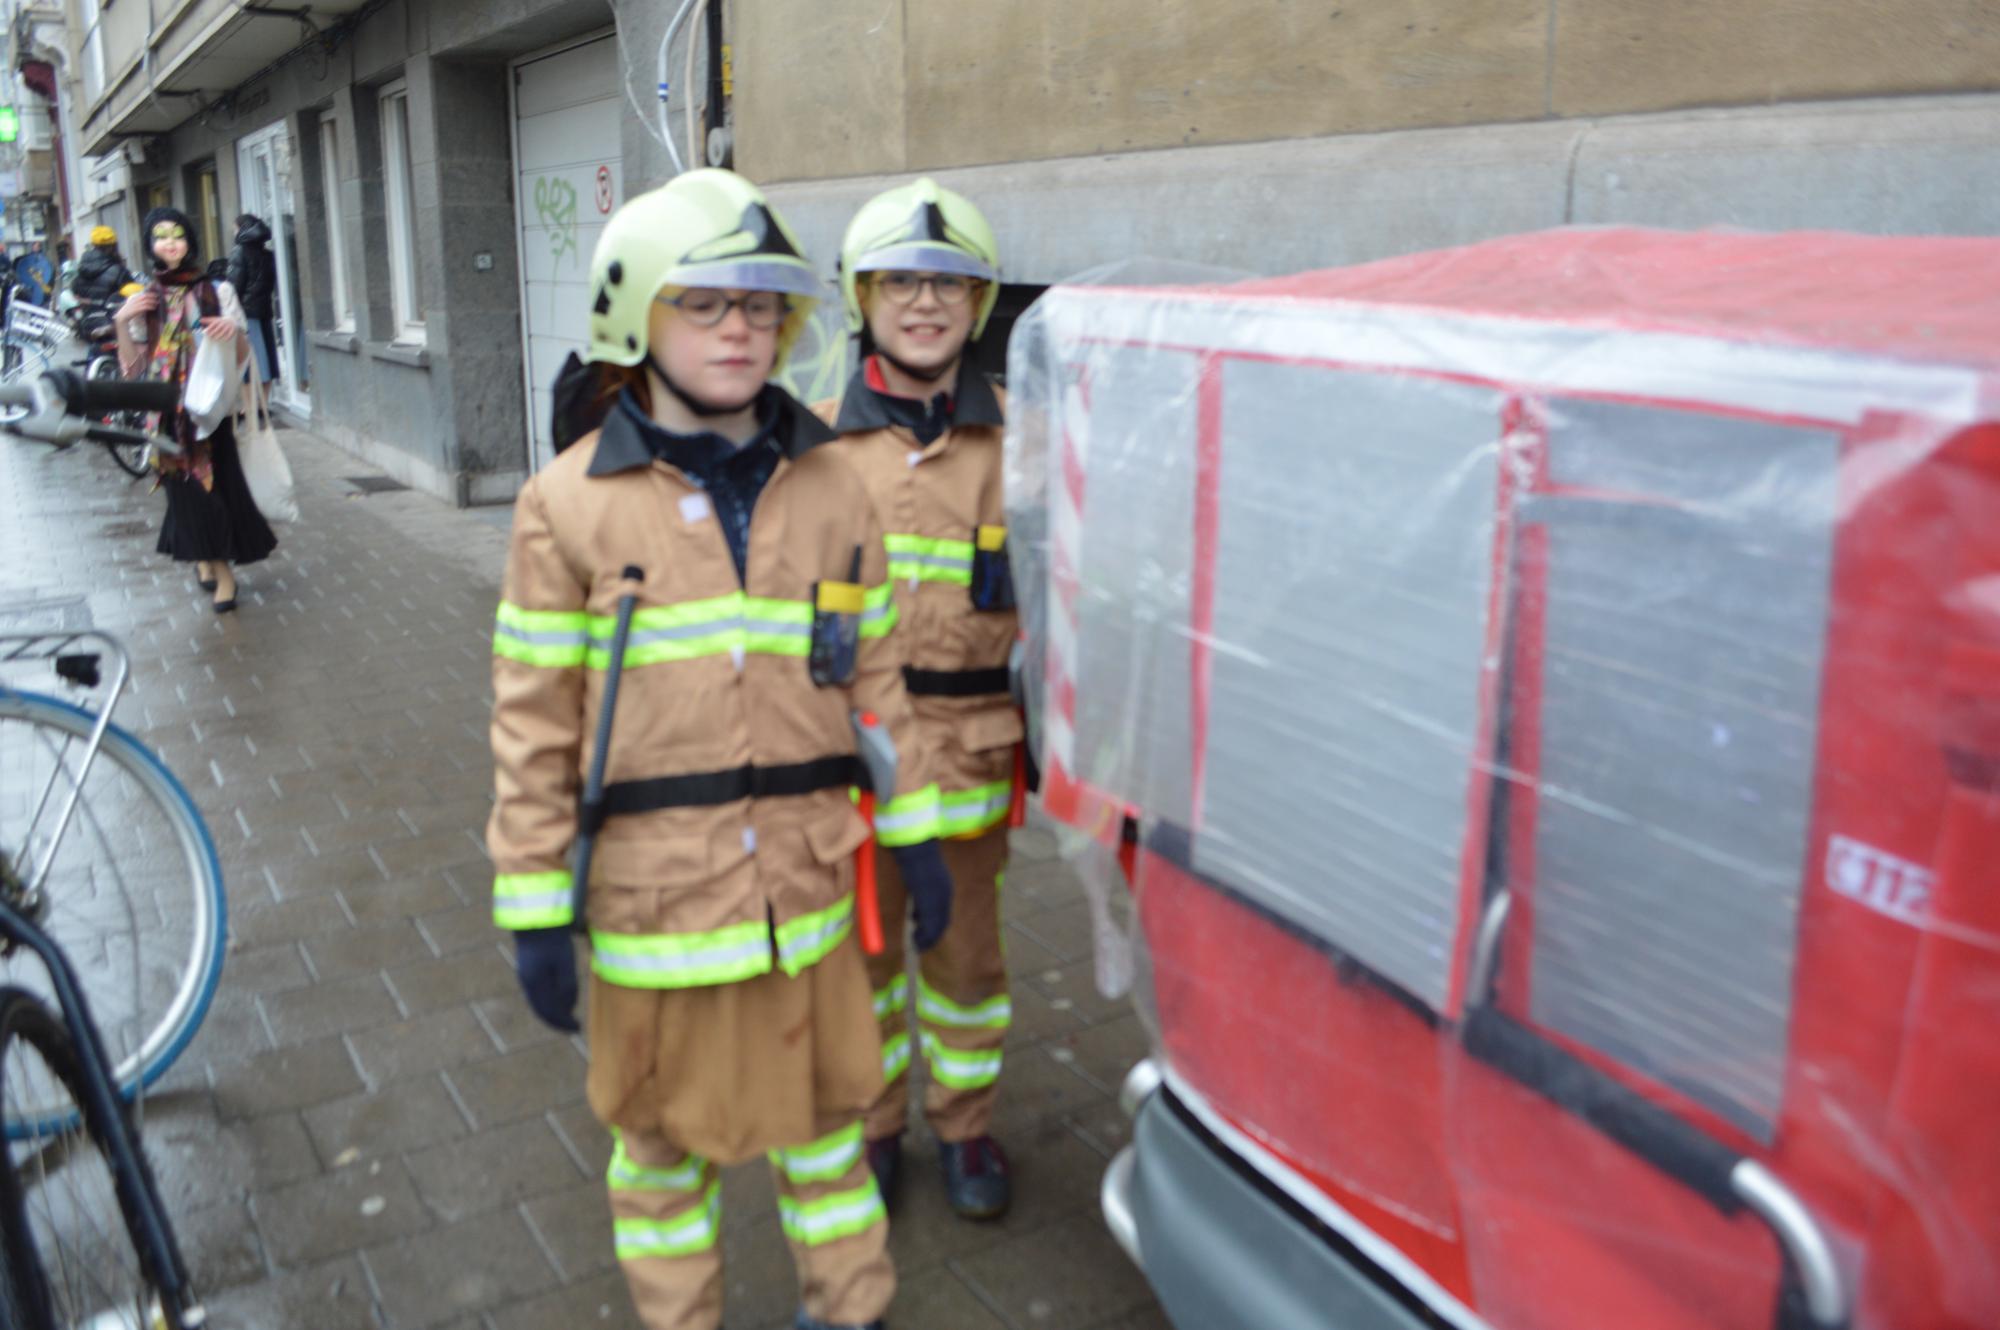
(1543,700)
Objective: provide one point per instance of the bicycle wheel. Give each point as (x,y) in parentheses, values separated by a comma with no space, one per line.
(76,1264)
(131,457)
(133,895)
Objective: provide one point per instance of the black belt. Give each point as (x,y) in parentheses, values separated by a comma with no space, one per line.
(703,789)
(957,683)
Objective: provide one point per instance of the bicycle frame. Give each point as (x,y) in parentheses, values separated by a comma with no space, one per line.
(30,644)
(103,1113)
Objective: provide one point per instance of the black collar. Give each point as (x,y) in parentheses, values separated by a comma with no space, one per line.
(862,408)
(623,443)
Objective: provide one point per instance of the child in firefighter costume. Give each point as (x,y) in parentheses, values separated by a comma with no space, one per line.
(730,1012)
(922,428)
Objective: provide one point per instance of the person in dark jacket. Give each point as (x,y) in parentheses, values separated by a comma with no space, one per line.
(101,272)
(254,274)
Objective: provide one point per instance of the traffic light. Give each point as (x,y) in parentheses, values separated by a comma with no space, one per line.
(10,124)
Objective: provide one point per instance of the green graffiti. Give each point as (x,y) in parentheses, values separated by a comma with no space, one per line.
(817,367)
(555,206)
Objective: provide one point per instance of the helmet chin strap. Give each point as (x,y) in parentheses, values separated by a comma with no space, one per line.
(699,408)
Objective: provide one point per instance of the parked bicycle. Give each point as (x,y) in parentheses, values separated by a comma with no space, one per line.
(110,884)
(36,341)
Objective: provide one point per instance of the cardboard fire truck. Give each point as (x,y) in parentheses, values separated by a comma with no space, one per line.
(1547,695)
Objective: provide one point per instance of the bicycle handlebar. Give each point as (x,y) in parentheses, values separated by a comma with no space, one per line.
(61,402)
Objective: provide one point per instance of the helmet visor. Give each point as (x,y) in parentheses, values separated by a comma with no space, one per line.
(749,274)
(925,256)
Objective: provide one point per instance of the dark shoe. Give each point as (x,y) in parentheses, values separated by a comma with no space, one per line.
(977,1180)
(885,1161)
(805,1322)
(205,583)
(225,606)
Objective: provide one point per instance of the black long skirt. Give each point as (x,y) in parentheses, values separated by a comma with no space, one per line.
(219,523)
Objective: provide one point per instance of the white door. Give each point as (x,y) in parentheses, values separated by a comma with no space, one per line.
(567,181)
(264,164)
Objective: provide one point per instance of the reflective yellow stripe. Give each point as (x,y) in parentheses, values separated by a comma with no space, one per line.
(712,627)
(682,960)
(811,937)
(959,1069)
(996,1013)
(929,559)
(890,1000)
(532,900)
(626,1175)
(962,811)
(908,818)
(547,639)
(895,1057)
(694,1231)
(825,1160)
(878,611)
(841,1215)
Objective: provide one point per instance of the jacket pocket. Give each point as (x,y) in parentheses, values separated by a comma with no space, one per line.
(835,837)
(632,881)
(987,730)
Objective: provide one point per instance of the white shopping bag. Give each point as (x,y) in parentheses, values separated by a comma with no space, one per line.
(210,392)
(264,464)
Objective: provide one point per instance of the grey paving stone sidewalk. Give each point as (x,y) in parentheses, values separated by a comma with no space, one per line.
(370,1130)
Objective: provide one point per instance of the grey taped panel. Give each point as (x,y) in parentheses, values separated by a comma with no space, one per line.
(1680,695)
(1132,612)
(1352,578)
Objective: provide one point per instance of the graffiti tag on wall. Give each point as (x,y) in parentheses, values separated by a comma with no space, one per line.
(555,208)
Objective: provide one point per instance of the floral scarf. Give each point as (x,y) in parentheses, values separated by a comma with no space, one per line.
(172,356)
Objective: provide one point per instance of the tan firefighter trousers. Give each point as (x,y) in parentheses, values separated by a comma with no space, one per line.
(666,1213)
(962,1006)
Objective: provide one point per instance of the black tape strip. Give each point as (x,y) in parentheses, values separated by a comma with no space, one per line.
(704,789)
(956,683)
(1674,1147)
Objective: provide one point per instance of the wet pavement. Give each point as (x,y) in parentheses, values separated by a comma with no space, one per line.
(370,1130)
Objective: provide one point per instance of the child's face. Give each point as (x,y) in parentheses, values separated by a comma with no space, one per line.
(725,363)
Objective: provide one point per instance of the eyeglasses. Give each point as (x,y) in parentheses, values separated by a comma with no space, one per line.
(900,288)
(704,308)
(170,233)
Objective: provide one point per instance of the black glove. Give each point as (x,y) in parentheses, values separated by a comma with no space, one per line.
(928,882)
(545,963)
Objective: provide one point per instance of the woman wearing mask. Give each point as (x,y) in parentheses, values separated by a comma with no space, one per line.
(729,1006)
(212,521)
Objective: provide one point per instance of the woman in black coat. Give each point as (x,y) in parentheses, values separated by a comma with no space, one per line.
(254,274)
(212,520)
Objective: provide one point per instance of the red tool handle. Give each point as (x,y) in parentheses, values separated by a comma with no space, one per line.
(866,903)
(1017,810)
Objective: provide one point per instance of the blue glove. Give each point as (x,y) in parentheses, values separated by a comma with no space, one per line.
(928,882)
(545,963)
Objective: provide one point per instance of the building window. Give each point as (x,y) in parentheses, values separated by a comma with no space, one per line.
(402,231)
(93,52)
(336,245)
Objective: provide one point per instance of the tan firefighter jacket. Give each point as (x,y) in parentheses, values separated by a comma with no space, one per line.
(943,519)
(730,820)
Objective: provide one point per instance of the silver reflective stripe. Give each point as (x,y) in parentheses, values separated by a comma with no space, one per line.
(548,900)
(932,561)
(540,637)
(778,629)
(640,637)
(706,959)
(818,938)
